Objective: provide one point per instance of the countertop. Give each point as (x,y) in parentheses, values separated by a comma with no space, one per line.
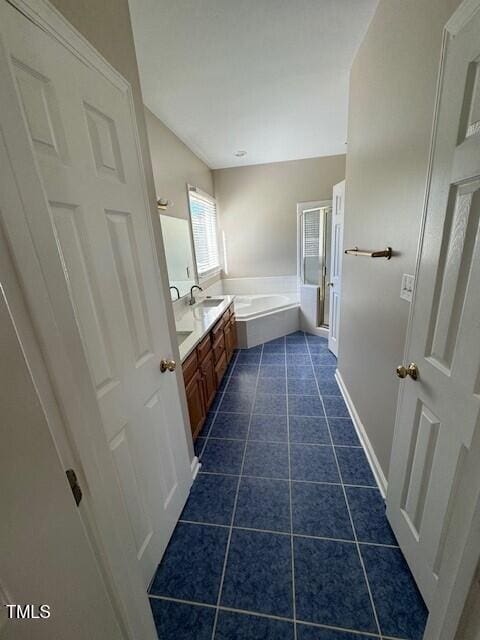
(198,320)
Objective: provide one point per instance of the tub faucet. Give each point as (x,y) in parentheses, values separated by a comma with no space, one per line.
(192,299)
(176,289)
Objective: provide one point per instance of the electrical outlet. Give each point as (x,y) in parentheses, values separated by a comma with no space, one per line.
(406,290)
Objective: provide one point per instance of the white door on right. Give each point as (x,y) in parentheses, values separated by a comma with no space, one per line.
(438,414)
(335,284)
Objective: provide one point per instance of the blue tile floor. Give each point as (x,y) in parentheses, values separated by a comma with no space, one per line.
(284,535)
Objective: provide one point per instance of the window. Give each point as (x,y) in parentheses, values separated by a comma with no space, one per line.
(203,213)
(311,233)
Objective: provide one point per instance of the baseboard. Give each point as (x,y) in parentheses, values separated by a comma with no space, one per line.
(362,434)
(315,331)
(195,466)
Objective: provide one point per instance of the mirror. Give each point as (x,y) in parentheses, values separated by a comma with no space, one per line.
(179,254)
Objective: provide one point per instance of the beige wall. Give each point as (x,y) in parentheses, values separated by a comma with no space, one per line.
(257,207)
(174,165)
(392,90)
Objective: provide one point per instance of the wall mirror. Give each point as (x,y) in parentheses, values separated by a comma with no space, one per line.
(179,254)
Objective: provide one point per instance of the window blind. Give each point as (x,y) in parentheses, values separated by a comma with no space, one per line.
(311,234)
(203,213)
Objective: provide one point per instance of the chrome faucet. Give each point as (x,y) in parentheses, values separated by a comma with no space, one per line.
(178,292)
(192,299)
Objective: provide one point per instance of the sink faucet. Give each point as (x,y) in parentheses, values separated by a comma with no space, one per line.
(192,299)
(176,289)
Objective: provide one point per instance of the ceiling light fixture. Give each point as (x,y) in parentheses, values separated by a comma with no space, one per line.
(240,153)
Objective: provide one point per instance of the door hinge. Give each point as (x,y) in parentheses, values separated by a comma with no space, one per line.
(74,486)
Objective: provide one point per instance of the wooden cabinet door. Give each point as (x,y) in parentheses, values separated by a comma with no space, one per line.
(196,403)
(228,341)
(209,379)
(220,369)
(234,332)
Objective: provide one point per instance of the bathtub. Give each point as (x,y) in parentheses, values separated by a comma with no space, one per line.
(264,317)
(248,307)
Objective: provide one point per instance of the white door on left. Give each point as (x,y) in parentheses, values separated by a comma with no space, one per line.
(92,233)
(45,555)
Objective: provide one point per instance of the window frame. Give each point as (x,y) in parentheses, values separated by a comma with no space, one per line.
(206,275)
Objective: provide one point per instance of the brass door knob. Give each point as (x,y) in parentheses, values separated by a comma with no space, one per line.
(411,370)
(167,365)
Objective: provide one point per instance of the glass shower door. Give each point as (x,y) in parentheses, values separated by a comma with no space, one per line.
(315,255)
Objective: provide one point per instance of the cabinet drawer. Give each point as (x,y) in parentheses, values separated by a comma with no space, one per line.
(226,316)
(219,347)
(217,331)
(231,309)
(220,368)
(190,366)
(203,348)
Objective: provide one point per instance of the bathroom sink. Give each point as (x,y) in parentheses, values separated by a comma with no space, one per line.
(182,336)
(210,302)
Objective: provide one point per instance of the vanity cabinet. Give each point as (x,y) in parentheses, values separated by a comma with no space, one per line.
(205,367)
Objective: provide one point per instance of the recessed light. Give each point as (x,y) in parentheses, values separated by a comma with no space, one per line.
(240,153)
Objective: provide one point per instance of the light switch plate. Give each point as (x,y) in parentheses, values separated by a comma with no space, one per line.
(406,290)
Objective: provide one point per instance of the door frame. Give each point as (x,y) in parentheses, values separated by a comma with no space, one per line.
(460,560)
(102,511)
(336,187)
(301,208)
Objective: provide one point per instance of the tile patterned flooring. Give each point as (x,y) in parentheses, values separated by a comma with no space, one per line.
(284,535)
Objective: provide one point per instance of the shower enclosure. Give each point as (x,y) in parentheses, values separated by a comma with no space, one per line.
(315,221)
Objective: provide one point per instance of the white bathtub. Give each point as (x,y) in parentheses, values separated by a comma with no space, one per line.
(264,317)
(248,307)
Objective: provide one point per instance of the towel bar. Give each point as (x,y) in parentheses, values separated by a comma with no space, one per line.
(386,253)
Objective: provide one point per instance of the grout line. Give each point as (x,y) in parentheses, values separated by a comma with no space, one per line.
(269,616)
(283,415)
(245,475)
(227,549)
(348,509)
(287,533)
(307,444)
(292,550)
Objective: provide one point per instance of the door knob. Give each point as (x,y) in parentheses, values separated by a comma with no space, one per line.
(167,365)
(411,370)
(330,284)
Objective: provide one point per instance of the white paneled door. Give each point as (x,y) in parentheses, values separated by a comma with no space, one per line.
(336,255)
(434,479)
(92,235)
(46,557)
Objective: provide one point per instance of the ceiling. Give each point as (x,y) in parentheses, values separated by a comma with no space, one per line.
(269,77)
